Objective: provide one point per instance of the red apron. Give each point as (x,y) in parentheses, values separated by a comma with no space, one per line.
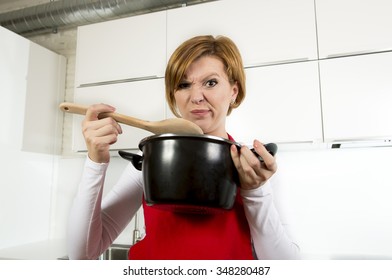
(217,235)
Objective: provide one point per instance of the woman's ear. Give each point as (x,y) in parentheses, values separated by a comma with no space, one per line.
(235,92)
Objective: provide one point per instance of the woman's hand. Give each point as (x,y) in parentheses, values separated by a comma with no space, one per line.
(253,173)
(99,134)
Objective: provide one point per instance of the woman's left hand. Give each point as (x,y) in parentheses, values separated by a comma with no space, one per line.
(253,173)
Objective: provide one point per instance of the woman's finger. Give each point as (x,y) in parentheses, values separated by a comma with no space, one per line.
(269,160)
(102,126)
(94,110)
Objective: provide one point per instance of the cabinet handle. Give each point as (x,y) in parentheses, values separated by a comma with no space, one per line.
(120,81)
(276,62)
(360,143)
(336,55)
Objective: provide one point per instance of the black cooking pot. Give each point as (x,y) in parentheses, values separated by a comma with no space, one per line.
(188,171)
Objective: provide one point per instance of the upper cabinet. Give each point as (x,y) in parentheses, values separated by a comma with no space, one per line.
(357,97)
(43,121)
(350,27)
(140,99)
(282,105)
(32,85)
(266,32)
(131,48)
(287,61)
(14,61)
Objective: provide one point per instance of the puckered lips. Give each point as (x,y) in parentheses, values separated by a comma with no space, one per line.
(200,112)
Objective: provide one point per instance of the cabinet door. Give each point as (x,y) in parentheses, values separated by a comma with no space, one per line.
(14,60)
(141,99)
(282,105)
(123,49)
(357,96)
(43,121)
(32,85)
(351,26)
(266,32)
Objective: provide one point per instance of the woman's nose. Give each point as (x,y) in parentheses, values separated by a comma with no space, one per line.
(197,100)
(197,95)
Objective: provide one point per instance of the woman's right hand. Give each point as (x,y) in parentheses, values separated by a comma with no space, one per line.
(99,134)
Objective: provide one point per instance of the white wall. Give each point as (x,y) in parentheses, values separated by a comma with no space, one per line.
(341,201)
(25,201)
(68,175)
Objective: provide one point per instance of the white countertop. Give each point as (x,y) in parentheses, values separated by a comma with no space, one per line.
(43,250)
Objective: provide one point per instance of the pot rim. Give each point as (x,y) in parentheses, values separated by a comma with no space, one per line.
(209,138)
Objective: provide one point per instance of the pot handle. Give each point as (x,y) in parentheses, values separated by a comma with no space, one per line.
(135,159)
(272,148)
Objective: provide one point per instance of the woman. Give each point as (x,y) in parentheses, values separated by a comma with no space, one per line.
(204,81)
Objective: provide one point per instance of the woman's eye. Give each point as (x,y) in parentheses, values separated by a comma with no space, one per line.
(184,85)
(211,83)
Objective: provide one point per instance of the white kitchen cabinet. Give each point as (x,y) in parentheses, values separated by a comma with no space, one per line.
(32,81)
(14,60)
(282,105)
(43,120)
(266,32)
(357,97)
(124,49)
(350,26)
(141,99)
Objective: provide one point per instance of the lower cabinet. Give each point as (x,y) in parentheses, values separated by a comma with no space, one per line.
(282,105)
(140,99)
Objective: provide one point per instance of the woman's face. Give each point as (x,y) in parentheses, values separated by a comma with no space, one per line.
(205,94)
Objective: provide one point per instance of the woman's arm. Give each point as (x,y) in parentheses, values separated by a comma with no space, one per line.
(269,225)
(93,225)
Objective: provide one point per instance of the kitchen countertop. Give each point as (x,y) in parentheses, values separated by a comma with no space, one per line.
(43,250)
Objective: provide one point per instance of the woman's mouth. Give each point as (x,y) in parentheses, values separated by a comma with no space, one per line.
(200,112)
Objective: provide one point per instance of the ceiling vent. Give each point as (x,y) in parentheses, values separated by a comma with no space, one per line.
(49,17)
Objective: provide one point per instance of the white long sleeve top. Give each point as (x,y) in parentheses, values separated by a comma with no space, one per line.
(95,222)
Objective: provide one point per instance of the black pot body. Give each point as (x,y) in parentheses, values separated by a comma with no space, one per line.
(191,173)
(188,170)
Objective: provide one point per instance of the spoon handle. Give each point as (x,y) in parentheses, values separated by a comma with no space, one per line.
(174,125)
(73,108)
(81,110)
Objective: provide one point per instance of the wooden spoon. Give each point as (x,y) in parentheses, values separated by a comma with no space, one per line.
(174,125)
